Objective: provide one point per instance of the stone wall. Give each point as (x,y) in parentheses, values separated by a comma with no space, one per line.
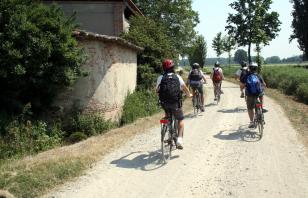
(112,68)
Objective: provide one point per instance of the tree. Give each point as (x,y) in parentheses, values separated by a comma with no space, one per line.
(273,59)
(300,25)
(240,55)
(253,23)
(178,17)
(146,33)
(38,54)
(228,45)
(217,44)
(198,51)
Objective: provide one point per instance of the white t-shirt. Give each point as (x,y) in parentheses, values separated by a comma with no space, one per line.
(239,71)
(161,76)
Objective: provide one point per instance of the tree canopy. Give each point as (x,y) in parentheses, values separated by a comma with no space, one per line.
(198,51)
(300,25)
(253,23)
(217,44)
(228,43)
(178,18)
(240,55)
(38,54)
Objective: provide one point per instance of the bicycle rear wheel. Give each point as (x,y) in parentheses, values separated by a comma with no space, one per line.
(260,121)
(195,104)
(166,143)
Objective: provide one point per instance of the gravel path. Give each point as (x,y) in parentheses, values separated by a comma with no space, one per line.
(221,158)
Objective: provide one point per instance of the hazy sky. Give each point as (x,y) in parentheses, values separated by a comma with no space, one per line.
(213,15)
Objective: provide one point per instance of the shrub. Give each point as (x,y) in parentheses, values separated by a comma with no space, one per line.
(139,104)
(77,137)
(38,53)
(90,124)
(26,137)
(302,92)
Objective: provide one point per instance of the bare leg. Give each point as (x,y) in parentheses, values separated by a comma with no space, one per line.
(181,128)
(251,114)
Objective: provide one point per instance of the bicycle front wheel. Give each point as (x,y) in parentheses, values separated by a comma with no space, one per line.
(166,143)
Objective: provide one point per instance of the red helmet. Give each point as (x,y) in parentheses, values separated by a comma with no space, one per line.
(167,64)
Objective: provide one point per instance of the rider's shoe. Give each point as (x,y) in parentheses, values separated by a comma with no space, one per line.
(215,99)
(202,108)
(179,143)
(242,95)
(264,110)
(251,125)
(221,92)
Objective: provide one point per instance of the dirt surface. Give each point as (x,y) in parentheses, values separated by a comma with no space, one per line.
(221,158)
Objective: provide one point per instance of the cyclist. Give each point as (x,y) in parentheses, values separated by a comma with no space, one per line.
(168,86)
(254,89)
(195,80)
(240,73)
(217,76)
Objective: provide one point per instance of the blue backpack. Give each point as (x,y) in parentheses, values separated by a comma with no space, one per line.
(253,85)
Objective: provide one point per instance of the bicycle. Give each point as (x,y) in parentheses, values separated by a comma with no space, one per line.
(217,91)
(169,135)
(259,116)
(196,101)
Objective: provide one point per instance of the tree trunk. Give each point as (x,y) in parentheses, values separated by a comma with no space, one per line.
(249,56)
(229,58)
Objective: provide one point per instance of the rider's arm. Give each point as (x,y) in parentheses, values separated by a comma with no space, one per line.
(186,90)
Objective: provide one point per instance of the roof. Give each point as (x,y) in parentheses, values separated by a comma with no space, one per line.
(84,35)
(130,3)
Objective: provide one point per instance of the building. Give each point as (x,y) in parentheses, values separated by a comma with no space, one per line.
(106,17)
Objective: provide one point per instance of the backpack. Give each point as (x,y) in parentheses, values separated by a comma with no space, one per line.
(195,75)
(253,85)
(169,89)
(243,74)
(217,76)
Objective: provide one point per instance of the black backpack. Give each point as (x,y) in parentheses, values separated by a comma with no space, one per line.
(195,75)
(243,74)
(169,89)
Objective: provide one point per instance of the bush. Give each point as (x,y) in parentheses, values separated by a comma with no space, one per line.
(90,124)
(302,92)
(26,137)
(38,53)
(139,104)
(77,137)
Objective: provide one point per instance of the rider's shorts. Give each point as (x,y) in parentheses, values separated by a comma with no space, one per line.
(199,87)
(175,109)
(251,102)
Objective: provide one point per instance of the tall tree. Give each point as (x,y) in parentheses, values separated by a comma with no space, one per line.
(217,44)
(228,45)
(240,55)
(198,51)
(178,17)
(300,25)
(253,23)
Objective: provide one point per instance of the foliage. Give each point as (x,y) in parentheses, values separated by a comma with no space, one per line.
(89,125)
(139,104)
(272,59)
(240,55)
(198,51)
(157,45)
(22,136)
(300,25)
(228,43)
(178,18)
(253,23)
(37,53)
(290,80)
(217,44)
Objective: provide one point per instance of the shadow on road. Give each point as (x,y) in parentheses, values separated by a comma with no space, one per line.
(242,134)
(235,110)
(146,161)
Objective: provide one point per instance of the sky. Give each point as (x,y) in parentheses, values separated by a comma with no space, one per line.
(213,15)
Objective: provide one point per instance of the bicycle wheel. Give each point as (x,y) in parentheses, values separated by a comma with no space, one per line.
(260,121)
(166,141)
(195,104)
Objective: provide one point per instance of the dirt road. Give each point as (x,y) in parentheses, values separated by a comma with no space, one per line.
(221,158)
